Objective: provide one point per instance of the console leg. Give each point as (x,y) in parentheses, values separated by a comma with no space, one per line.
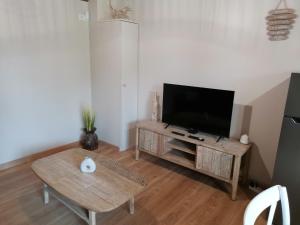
(137,152)
(131,205)
(235,177)
(92,217)
(46,194)
(246,167)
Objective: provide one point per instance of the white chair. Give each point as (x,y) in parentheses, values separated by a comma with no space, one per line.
(265,199)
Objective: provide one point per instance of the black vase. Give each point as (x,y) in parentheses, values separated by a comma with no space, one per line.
(89,139)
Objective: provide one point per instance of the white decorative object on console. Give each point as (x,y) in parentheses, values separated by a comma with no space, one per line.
(244,139)
(155,107)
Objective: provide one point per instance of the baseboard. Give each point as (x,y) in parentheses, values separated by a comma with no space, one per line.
(106,143)
(38,155)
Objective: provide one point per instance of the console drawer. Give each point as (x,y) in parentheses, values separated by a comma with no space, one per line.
(215,162)
(148,141)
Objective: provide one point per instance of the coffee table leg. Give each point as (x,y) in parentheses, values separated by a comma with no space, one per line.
(131,205)
(46,194)
(92,218)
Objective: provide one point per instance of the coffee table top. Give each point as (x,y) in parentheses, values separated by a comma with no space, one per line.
(106,189)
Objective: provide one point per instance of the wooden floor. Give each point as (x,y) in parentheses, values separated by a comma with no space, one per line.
(174,196)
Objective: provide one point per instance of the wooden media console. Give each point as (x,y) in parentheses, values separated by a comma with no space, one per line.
(201,152)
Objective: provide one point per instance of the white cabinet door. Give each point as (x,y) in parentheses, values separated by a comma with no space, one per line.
(114,69)
(129,83)
(106,80)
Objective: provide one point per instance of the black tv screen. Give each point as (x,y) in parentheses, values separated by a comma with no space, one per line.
(202,109)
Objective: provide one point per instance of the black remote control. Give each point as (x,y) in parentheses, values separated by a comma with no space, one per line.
(196,138)
(174,132)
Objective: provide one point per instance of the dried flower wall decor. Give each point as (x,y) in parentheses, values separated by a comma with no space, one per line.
(121,13)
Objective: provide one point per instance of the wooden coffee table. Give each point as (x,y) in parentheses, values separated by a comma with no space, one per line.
(87,194)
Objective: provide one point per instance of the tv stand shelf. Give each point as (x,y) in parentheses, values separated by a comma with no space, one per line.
(221,160)
(182,146)
(180,158)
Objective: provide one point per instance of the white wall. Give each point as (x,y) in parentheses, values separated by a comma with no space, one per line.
(44,67)
(44,74)
(221,44)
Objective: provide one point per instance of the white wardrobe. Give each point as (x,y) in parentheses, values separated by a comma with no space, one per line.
(114,49)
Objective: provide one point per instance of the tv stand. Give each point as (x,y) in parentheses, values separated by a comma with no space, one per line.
(220,160)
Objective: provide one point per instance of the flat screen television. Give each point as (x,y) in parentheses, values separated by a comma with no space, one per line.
(198,109)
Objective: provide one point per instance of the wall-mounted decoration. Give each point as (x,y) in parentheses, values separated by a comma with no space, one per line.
(119,13)
(115,9)
(280,22)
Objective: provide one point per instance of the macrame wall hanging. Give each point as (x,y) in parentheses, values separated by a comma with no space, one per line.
(280,21)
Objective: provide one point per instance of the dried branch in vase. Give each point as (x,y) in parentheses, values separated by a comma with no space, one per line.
(119,13)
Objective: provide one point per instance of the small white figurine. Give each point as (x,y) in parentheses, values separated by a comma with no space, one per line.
(88,165)
(244,139)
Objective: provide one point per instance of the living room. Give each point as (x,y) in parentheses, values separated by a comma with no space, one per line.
(62,58)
